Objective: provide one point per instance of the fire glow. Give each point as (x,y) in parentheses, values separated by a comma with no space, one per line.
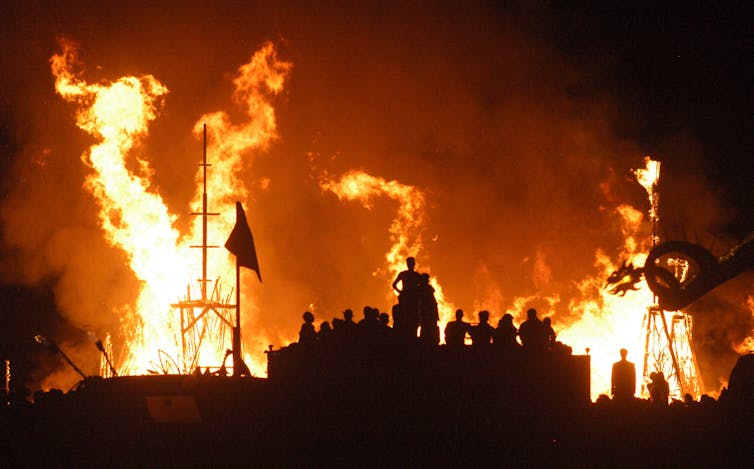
(135,218)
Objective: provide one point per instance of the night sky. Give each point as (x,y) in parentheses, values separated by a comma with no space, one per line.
(671,80)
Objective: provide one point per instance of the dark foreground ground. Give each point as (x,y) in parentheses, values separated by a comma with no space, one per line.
(363,416)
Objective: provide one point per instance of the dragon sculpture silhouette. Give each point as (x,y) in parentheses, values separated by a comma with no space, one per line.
(701,271)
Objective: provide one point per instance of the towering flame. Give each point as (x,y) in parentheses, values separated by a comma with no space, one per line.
(406,228)
(134,217)
(608,322)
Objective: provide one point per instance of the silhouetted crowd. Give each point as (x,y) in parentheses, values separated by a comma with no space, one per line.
(380,394)
(416,317)
(415,320)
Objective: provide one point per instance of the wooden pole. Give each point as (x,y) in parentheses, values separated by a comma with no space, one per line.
(238,365)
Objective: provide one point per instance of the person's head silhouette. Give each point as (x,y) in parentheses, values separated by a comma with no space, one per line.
(484,316)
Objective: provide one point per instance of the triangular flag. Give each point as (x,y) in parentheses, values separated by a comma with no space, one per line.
(241,243)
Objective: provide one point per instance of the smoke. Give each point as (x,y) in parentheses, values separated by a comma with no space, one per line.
(518,149)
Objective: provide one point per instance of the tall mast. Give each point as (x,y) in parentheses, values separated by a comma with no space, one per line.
(204,216)
(204,213)
(194,323)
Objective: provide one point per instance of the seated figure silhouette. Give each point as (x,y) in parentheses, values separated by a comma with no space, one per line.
(307,334)
(549,333)
(659,390)
(325,331)
(532,333)
(383,327)
(506,334)
(481,334)
(344,330)
(623,379)
(428,313)
(455,331)
(369,326)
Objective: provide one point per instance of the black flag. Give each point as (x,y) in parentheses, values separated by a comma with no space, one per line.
(241,243)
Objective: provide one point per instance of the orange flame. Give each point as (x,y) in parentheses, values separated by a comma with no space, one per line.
(134,217)
(607,322)
(118,113)
(263,75)
(405,229)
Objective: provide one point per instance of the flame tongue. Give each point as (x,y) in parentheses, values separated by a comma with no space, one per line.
(405,229)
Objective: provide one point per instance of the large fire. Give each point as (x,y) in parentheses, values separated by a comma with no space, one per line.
(135,218)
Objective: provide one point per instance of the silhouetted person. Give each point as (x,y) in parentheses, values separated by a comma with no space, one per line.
(455,331)
(408,294)
(428,313)
(307,334)
(481,334)
(344,330)
(505,334)
(325,331)
(384,331)
(659,390)
(532,333)
(623,378)
(405,327)
(348,325)
(369,326)
(549,333)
